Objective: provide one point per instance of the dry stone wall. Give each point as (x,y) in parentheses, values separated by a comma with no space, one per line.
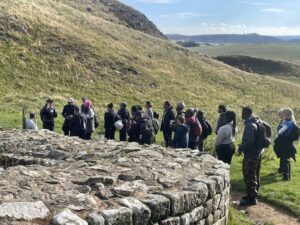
(46,178)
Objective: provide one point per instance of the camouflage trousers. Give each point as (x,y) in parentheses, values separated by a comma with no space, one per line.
(251,170)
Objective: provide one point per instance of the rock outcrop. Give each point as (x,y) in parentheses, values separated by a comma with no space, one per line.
(46,178)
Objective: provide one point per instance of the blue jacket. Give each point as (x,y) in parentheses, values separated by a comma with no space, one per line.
(181,137)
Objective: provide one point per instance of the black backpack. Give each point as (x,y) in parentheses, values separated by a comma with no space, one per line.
(264,134)
(206,128)
(146,132)
(295,133)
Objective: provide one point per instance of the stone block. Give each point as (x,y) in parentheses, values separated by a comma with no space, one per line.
(106,180)
(222,221)
(118,216)
(199,187)
(185,219)
(196,215)
(26,211)
(140,213)
(95,219)
(67,217)
(216,202)
(170,221)
(211,184)
(217,215)
(209,220)
(208,207)
(159,206)
(176,202)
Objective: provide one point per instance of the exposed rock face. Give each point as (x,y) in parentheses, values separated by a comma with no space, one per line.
(51,179)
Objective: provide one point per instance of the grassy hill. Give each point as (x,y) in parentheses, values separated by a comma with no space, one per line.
(61,48)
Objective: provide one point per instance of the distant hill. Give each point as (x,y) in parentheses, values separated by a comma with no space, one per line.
(226,38)
(261,66)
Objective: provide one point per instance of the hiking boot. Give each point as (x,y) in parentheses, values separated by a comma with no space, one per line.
(286,178)
(248,201)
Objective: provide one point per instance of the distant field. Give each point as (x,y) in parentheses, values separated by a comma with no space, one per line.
(279,51)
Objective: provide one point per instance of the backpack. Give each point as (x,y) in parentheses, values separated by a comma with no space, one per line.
(155,126)
(206,128)
(146,132)
(295,132)
(264,134)
(97,121)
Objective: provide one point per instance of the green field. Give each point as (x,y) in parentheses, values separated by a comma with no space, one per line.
(279,51)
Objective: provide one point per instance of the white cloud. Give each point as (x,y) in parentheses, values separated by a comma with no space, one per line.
(185,15)
(254,3)
(273,10)
(222,28)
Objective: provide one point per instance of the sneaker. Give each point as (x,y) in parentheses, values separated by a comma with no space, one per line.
(248,201)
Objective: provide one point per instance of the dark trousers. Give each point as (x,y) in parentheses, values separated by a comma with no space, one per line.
(201,144)
(168,137)
(123,134)
(110,134)
(88,136)
(49,125)
(285,165)
(192,144)
(66,127)
(225,152)
(251,170)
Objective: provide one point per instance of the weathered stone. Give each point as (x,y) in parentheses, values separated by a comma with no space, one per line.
(211,184)
(100,179)
(118,216)
(201,222)
(216,215)
(222,221)
(199,187)
(191,200)
(208,207)
(140,212)
(185,219)
(216,202)
(170,221)
(159,206)
(220,183)
(177,202)
(56,154)
(209,220)
(27,211)
(67,217)
(128,188)
(197,214)
(95,219)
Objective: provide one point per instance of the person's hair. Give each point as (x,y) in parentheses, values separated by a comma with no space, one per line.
(289,114)
(189,113)
(140,108)
(148,103)
(181,119)
(200,113)
(167,103)
(110,105)
(281,112)
(247,110)
(138,114)
(32,115)
(76,109)
(223,108)
(230,116)
(49,100)
(123,105)
(156,115)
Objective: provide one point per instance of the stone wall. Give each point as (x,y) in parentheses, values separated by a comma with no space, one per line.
(46,178)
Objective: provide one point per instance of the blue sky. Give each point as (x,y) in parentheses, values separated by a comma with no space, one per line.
(269,17)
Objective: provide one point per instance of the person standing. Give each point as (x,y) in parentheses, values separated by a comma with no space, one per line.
(277,146)
(110,117)
(181,137)
(206,129)
(31,122)
(89,119)
(287,149)
(195,128)
(167,119)
(77,124)
(252,157)
(149,111)
(123,114)
(68,113)
(48,113)
(225,139)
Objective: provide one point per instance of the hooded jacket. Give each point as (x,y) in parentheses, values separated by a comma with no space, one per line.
(248,145)
(181,137)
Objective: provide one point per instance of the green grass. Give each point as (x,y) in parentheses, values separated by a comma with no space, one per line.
(277,51)
(285,195)
(238,218)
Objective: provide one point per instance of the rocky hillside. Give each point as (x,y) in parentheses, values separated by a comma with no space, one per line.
(62,48)
(60,180)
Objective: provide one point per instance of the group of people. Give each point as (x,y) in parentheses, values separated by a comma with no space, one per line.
(187,128)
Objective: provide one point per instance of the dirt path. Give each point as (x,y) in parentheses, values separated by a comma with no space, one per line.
(263,212)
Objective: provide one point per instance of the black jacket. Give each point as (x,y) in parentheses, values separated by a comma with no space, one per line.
(181,137)
(123,115)
(166,120)
(134,132)
(68,110)
(249,140)
(77,126)
(110,117)
(48,114)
